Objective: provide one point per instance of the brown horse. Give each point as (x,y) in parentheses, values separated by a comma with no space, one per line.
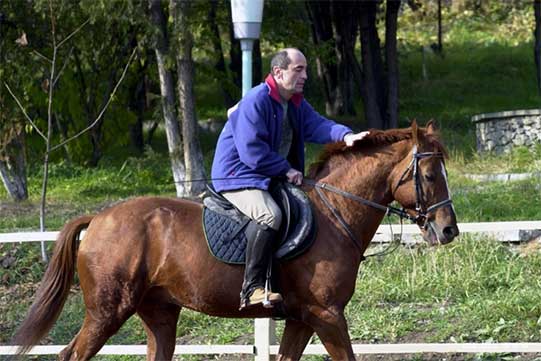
(147,256)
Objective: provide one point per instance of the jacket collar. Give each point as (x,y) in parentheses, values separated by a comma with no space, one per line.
(296,99)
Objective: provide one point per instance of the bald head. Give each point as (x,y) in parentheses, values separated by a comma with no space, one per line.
(288,67)
(284,57)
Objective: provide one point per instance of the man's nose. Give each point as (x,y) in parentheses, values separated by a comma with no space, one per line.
(304,74)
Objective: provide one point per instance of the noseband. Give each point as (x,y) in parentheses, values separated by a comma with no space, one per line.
(422,212)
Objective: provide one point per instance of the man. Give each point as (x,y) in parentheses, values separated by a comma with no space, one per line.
(264,138)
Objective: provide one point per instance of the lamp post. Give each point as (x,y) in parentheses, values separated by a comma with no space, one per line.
(247,17)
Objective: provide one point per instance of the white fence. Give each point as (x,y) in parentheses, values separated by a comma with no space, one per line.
(265,347)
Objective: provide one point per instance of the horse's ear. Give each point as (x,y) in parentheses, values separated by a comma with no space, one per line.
(431,127)
(414,132)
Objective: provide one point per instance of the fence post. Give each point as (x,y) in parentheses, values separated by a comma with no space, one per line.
(264,336)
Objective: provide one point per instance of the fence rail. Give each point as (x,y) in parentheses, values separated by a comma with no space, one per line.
(264,329)
(358,349)
(502,231)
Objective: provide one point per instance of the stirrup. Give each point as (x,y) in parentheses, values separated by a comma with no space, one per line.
(262,297)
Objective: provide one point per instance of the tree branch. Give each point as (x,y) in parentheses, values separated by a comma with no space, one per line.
(24,112)
(63,67)
(73,33)
(104,107)
(42,56)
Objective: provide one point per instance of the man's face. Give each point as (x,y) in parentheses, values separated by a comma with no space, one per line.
(293,78)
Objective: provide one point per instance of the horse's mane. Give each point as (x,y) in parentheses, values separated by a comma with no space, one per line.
(376,138)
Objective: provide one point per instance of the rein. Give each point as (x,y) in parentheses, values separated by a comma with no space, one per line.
(420,216)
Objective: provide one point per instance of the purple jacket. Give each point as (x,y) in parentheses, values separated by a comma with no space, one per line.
(247,150)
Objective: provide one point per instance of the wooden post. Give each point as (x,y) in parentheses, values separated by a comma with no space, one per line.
(264,336)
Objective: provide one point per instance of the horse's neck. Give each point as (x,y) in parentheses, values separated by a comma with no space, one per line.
(368,176)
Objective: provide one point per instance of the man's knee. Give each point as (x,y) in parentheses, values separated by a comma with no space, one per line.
(271,218)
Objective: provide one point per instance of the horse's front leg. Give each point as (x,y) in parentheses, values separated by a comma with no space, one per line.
(294,339)
(331,327)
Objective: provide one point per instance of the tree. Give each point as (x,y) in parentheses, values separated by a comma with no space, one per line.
(537,44)
(172,127)
(53,74)
(12,125)
(13,160)
(380,78)
(334,31)
(193,156)
(371,91)
(219,59)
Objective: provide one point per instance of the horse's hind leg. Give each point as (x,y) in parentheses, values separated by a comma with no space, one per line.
(96,330)
(110,299)
(295,337)
(160,321)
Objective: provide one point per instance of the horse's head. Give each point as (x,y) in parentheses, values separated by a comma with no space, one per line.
(420,186)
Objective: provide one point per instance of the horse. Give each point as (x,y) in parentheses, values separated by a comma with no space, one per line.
(145,256)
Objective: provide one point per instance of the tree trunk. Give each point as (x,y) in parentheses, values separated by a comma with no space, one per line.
(219,64)
(537,45)
(193,156)
(319,13)
(13,168)
(345,17)
(440,40)
(172,129)
(370,90)
(137,104)
(257,66)
(391,60)
(235,54)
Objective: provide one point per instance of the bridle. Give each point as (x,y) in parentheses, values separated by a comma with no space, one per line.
(421,216)
(421,211)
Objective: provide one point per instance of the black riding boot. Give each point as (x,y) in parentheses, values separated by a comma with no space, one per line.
(258,254)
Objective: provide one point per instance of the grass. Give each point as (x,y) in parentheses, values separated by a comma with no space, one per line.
(473,290)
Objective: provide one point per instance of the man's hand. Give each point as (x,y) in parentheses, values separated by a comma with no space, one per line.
(350,138)
(294,176)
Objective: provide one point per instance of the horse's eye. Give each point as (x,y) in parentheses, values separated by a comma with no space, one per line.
(430,177)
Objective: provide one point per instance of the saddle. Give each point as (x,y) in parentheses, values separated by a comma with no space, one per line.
(224,225)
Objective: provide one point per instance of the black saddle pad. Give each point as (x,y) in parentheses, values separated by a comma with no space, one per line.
(224,228)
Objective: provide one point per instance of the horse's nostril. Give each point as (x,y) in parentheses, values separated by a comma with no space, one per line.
(450,232)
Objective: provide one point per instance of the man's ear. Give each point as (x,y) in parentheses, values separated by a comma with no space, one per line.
(276,71)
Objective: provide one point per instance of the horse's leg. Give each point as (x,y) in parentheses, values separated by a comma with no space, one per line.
(331,327)
(110,298)
(96,330)
(294,339)
(160,321)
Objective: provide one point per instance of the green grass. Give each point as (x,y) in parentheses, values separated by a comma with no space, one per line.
(473,290)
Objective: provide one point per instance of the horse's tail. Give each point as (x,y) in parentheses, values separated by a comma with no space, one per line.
(54,287)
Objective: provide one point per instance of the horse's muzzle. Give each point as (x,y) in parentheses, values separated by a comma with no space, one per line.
(435,234)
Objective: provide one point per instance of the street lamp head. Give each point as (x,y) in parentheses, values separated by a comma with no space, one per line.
(247,17)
